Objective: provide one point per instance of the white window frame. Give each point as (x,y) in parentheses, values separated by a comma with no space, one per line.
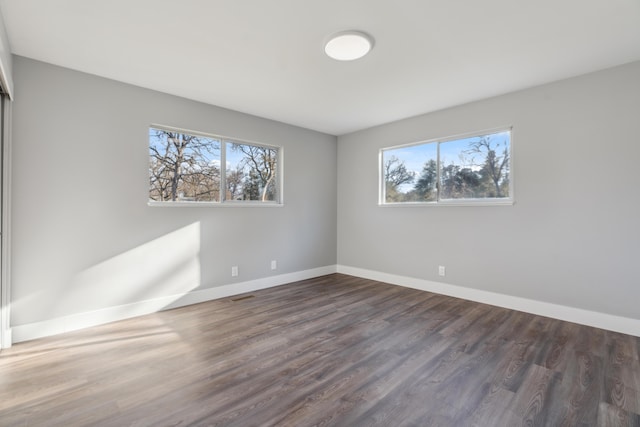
(223,201)
(502,201)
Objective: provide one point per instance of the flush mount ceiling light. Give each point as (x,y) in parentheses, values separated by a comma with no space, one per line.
(348,45)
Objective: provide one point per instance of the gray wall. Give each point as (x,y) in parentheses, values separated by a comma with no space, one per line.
(83,235)
(573,235)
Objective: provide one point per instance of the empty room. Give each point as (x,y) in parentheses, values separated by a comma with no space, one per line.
(305,213)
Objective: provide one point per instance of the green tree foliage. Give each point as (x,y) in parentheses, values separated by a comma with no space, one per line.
(482,171)
(426,186)
(486,174)
(459,183)
(494,172)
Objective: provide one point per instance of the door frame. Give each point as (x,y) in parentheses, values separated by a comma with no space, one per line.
(5,226)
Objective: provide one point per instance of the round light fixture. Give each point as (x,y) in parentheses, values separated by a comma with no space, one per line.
(348,45)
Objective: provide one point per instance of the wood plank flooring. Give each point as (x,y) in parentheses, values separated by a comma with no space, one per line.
(332,351)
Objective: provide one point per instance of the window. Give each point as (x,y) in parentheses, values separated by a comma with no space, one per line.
(189,167)
(467,169)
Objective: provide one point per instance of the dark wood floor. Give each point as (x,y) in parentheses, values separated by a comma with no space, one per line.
(335,350)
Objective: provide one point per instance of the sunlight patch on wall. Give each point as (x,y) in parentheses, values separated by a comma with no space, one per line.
(168,265)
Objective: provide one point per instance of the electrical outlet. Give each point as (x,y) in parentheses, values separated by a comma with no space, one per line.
(274,264)
(441,270)
(234,271)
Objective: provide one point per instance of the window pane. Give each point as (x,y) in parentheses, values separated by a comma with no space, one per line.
(475,167)
(410,173)
(183,167)
(251,172)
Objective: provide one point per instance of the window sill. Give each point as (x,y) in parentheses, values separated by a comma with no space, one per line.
(507,202)
(215,204)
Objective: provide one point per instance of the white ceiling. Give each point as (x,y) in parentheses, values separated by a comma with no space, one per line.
(265,57)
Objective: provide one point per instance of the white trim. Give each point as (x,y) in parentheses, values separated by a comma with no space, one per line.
(224,140)
(111,314)
(448,202)
(7,338)
(6,61)
(93,318)
(5,259)
(459,202)
(596,319)
(225,204)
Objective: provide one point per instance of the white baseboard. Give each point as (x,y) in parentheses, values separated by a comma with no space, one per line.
(6,338)
(609,322)
(74,322)
(111,314)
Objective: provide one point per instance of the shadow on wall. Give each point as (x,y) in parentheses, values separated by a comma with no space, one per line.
(168,266)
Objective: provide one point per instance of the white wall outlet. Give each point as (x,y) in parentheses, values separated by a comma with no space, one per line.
(441,270)
(274,264)
(234,271)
